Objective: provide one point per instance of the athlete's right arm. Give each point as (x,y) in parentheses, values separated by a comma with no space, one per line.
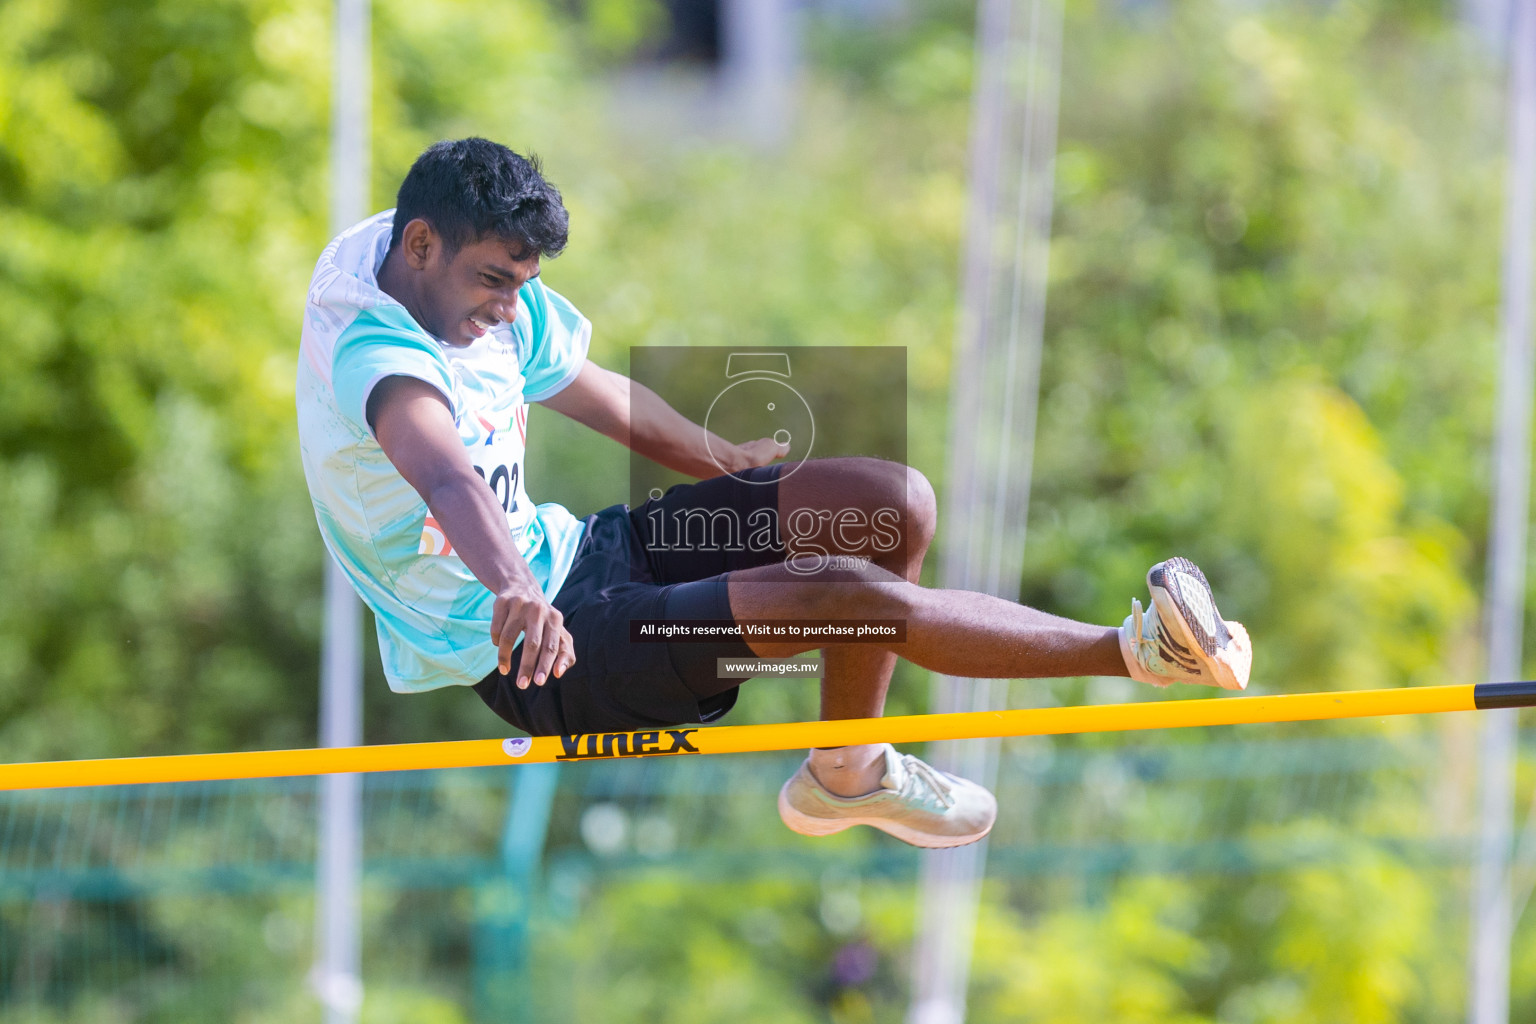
(414,426)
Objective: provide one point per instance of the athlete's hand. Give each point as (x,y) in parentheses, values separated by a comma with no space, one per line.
(547,647)
(761,452)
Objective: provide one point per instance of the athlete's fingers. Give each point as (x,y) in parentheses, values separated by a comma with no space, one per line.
(763,450)
(499,612)
(505,625)
(567,656)
(533,643)
(549,650)
(507,643)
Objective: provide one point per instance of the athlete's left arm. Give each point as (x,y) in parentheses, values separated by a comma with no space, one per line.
(640,419)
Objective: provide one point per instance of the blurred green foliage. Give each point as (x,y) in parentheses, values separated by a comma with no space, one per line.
(1269,347)
(1271,343)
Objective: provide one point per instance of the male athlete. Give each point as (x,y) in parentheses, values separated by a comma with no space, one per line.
(427,330)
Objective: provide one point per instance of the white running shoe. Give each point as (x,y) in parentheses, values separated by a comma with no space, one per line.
(1182,638)
(916,803)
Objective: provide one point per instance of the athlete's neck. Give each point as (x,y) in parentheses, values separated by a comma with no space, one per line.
(395,280)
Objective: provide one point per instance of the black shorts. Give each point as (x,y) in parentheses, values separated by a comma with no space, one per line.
(624,571)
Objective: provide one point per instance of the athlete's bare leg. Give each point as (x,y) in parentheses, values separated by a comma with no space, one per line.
(856,676)
(957,632)
(813,500)
(855,679)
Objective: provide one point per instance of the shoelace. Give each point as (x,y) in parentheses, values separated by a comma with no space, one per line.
(1144,645)
(927,775)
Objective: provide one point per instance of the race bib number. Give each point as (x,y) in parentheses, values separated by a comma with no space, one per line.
(497,458)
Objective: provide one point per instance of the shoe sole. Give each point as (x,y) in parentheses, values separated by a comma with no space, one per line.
(1184,600)
(806,825)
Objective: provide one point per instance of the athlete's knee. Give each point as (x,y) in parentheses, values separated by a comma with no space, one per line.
(922,510)
(906,492)
(893,487)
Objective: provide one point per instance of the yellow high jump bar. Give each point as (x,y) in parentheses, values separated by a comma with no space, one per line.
(738,739)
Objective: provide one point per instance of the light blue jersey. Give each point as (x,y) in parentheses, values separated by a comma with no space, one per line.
(433,615)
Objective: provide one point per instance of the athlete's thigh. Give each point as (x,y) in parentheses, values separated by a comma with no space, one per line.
(806,588)
(698,531)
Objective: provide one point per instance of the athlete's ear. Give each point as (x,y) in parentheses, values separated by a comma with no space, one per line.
(418,241)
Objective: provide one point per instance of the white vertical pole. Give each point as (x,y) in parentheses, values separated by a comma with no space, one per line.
(1492,923)
(351,88)
(757,65)
(337,975)
(1488,18)
(994,395)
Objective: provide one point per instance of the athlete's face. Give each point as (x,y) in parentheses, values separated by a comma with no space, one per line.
(458,299)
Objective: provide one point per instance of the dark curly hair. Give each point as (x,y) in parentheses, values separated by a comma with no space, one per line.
(469,189)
